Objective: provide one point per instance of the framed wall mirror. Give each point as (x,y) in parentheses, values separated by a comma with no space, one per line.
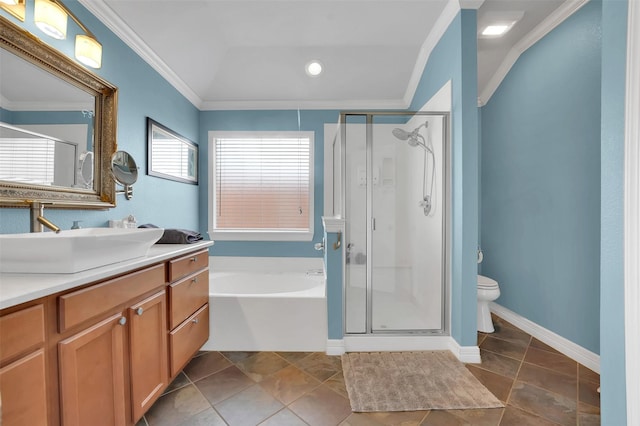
(170,156)
(57,126)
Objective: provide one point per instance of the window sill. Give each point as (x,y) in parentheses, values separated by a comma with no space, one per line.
(260,236)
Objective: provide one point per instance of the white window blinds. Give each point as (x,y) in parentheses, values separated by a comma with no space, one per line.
(28,160)
(174,158)
(262,183)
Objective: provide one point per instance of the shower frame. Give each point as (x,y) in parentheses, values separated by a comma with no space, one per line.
(446,231)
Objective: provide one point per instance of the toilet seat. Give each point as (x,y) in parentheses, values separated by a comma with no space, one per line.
(486,283)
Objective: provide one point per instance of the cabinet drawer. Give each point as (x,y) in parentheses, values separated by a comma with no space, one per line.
(187,265)
(187,295)
(90,302)
(188,338)
(21,331)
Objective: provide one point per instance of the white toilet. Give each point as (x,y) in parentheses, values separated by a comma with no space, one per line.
(488,291)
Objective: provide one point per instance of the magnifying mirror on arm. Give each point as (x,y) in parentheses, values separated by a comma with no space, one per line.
(125,172)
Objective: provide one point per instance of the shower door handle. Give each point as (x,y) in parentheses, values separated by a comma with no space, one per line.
(373,223)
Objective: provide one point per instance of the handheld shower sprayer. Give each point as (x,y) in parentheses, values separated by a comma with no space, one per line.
(412,140)
(412,137)
(401,134)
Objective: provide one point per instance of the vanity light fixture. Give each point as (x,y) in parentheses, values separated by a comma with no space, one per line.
(14,7)
(313,68)
(50,16)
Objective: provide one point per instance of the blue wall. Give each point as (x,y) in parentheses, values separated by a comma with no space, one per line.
(18,118)
(612,345)
(455,58)
(142,92)
(269,120)
(333,260)
(541,181)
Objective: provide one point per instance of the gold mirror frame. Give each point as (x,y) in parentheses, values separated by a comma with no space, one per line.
(22,43)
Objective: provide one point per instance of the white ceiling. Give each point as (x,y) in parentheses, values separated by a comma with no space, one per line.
(250,54)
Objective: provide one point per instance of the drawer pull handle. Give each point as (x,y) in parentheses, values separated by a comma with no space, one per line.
(122,321)
(139,311)
(195,320)
(194,280)
(194,258)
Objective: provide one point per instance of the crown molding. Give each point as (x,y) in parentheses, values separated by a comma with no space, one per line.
(470,4)
(48,106)
(568,8)
(306,105)
(440,27)
(112,21)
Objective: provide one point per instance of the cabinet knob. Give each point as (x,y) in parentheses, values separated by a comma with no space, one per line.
(194,279)
(122,321)
(195,320)
(194,258)
(139,311)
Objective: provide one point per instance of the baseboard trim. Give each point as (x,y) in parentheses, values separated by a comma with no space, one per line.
(557,342)
(335,347)
(467,354)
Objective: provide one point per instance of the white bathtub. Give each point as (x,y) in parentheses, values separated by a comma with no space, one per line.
(267,304)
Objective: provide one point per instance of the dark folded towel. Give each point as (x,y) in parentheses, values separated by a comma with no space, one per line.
(176,236)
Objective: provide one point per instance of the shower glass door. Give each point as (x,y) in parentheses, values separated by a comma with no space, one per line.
(355,206)
(405,262)
(394,209)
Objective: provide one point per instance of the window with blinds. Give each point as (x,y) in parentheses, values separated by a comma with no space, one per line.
(262,186)
(28,160)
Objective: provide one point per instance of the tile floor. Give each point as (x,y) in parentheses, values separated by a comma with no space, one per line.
(539,386)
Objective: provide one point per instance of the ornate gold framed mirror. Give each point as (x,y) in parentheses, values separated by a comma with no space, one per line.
(52,106)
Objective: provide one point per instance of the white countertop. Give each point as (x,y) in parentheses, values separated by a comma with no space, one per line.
(20,288)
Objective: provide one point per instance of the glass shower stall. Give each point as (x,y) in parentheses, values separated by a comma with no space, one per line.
(391,184)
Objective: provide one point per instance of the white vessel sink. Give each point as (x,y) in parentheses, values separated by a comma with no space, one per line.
(74,250)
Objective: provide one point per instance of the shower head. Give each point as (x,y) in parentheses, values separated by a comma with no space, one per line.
(412,136)
(403,135)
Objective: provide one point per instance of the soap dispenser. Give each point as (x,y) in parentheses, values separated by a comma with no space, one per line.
(130,222)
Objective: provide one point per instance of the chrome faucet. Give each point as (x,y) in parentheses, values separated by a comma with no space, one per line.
(38,219)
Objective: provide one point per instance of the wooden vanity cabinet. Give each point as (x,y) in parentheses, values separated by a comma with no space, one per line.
(23,380)
(93,362)
(102,354)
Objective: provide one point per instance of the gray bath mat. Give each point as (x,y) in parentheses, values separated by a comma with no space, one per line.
(412,381)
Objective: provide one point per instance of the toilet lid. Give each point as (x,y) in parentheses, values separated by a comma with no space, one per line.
(486,282)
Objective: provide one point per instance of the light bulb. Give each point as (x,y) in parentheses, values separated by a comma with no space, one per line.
(50,18)
(313,68)
(88,51)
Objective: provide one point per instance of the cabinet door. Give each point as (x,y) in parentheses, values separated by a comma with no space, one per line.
(23,389)
(148,342)
(92,375)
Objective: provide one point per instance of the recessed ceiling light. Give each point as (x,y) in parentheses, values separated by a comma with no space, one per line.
(313,68)
(496,24)
(496,30)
